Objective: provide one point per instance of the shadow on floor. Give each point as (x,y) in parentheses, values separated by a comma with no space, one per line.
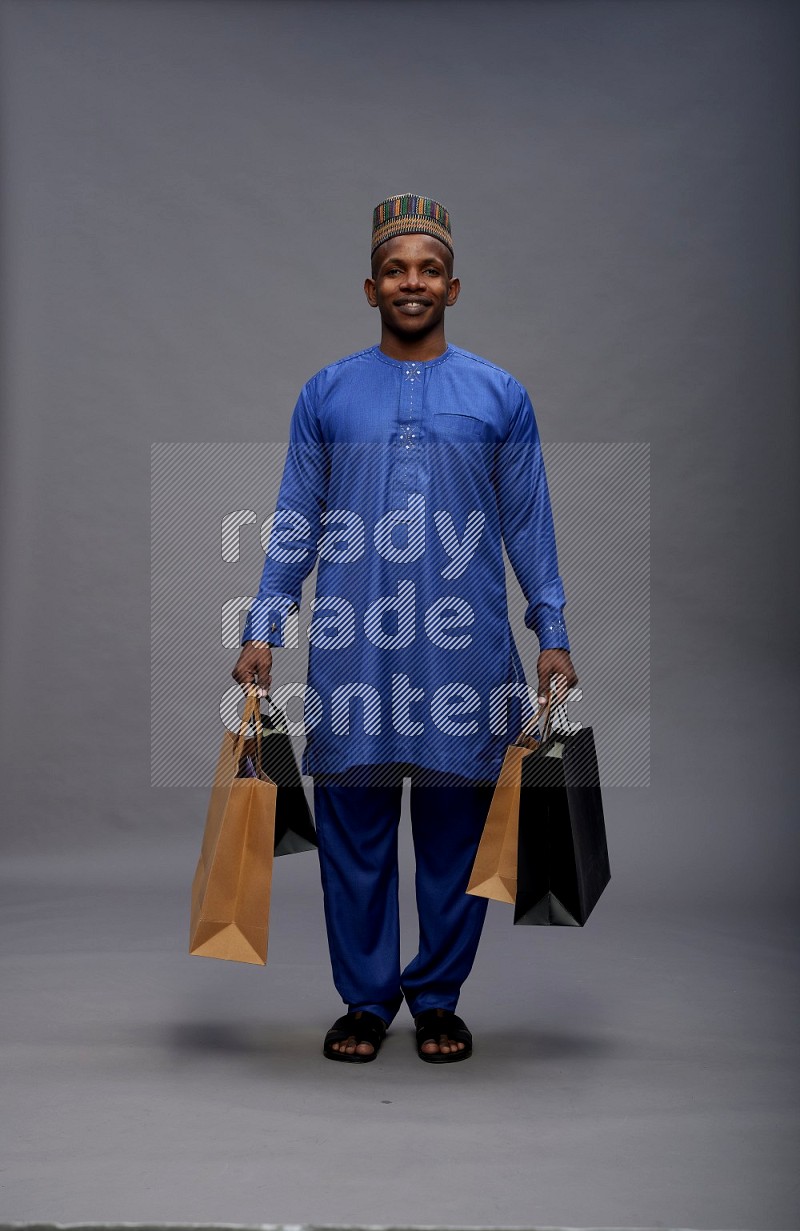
(301,1043)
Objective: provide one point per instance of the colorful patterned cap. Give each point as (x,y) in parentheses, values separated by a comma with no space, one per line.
(409,214)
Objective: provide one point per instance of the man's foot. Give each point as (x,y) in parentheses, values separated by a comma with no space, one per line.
(442,1037)
(444,1043)
(356,1037)
(351,1046)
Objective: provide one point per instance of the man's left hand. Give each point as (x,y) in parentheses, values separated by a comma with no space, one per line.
(554,667)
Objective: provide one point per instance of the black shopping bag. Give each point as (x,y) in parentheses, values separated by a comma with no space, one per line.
(562,856)
(294,827)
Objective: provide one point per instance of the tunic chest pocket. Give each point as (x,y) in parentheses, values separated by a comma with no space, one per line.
(460,425)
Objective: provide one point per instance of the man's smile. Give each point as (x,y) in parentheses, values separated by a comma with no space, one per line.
(412,305)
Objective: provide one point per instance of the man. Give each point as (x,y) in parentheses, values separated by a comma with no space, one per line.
(409,464)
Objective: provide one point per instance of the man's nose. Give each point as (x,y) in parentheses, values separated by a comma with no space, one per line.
(413,279)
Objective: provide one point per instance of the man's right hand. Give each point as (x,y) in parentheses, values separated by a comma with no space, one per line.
(254,666)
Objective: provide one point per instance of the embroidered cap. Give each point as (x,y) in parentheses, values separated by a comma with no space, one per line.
(410,214)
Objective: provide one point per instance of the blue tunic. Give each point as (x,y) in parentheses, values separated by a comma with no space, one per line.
(404,479)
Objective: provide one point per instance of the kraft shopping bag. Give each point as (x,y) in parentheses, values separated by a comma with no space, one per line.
(232,882)
(494,872)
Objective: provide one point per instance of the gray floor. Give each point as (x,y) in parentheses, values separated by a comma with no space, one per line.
(640,1072)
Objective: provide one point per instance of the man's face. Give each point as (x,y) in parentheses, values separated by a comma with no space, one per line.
(412,284)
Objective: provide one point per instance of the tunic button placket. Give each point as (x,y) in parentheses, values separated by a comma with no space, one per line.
(404,478)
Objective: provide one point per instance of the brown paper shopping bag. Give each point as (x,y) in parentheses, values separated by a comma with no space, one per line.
(231,886)
(494,873)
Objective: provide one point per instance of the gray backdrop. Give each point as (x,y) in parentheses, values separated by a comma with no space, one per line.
(186,204)
(187,196)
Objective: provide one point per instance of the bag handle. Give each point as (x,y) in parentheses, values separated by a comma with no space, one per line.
(545,712)
(280,725)
(251,714)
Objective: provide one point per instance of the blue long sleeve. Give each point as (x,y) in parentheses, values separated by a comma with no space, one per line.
(526,522)
(296,526)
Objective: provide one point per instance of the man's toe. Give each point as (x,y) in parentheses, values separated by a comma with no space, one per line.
(446,1045)
(352,1047)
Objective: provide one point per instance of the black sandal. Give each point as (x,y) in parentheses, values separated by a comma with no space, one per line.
(431,1025)
(364,1027)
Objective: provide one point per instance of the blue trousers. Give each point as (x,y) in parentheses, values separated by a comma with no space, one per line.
(357,828)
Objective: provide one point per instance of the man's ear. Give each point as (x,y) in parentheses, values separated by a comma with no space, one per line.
(369,291)
(453,291)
